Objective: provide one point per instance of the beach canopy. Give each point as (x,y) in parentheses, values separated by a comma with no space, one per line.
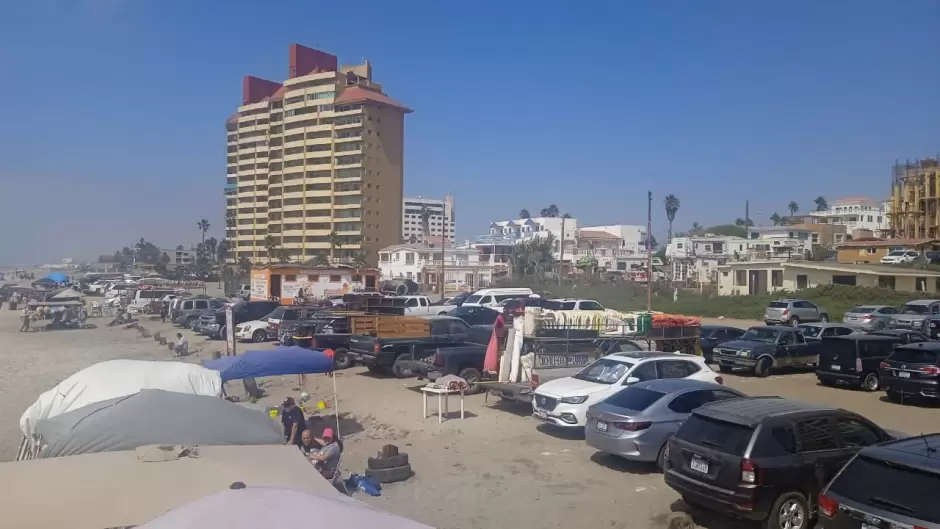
(151,417)
(272,362)
(57,277)
(119,378)
(253,507)
(122,489)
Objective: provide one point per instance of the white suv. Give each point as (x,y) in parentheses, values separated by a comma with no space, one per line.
(564,401)
(900,256)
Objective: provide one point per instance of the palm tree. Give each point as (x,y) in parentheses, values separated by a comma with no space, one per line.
(212,246)
(524,214)
(334,242)
(671,203)
(203,226)
(271,248)
(244,265)
(318,259)
(775,218)
(793,207)
(426,222)
(696,229)
(221,251)
(550,211)
(821,204)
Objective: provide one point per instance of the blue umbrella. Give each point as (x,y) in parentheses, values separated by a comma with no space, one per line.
(58,278)
(272,362)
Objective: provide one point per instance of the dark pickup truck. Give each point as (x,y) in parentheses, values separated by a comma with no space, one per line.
(465,360)
(383,354)
(762,349)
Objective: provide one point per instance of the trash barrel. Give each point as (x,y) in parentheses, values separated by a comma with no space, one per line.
(644,321)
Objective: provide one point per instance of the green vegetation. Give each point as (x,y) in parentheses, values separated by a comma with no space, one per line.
(836,299)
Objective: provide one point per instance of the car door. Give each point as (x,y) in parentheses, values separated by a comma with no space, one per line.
(807,311)
(855,433)
(787,352)
(200,304)
(821,455)
(644,371)
(411,306)
(424,306)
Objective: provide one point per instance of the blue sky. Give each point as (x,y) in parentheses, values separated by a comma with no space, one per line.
(112,111)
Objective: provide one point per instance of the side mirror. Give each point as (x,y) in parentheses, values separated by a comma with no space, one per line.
(631,380)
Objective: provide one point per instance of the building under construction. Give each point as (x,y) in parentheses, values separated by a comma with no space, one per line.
(915,200)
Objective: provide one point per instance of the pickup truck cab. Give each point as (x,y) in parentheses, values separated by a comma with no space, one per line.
(761,349)
(381,354)
(417,305)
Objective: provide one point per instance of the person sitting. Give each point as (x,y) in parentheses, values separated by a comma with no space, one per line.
(308,443)
(327,458)
(182,345)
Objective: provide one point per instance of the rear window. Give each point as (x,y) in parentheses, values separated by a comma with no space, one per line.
(890,487)
(637,399)
(837,347)
(914,356)
(778,305)
(723,436)
(862,310)
(590,305)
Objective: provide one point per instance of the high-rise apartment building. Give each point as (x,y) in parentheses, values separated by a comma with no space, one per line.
(315,164)
(442,219)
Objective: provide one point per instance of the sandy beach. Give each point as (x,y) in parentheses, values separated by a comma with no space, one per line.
(498,466)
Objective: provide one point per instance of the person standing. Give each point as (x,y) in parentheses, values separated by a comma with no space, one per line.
(292,418)
(26,317)
(164,309)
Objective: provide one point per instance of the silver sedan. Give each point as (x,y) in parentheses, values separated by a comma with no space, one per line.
(869,317)
(636,422)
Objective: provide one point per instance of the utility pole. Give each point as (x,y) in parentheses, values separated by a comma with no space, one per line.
(747,219)
(649,251)
(561,251)
(443,242)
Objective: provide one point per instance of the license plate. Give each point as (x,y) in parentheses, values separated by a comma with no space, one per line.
(837,368)
(742,353)
(904,374)
(542,414)
(699,465)
(601,426)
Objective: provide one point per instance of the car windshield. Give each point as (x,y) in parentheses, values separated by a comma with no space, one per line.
(914,309)
(604,371)
(889,486)
(590,305)
(896,253)
(862,310)
(761,335)
(778,305)
(473,299)
(812,331)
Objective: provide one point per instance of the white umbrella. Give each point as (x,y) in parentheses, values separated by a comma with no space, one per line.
(254,507)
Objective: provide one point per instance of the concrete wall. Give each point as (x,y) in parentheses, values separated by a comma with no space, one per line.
(793,282)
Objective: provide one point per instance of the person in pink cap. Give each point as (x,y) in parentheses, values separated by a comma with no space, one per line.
(326,459)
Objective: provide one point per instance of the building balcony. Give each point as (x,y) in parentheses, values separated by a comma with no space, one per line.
(347,206)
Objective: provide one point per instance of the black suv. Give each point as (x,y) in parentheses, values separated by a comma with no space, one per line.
(912,370)
(854,359)
(886,486)
(764,458)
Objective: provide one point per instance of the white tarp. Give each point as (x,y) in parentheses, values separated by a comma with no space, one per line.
(119,378)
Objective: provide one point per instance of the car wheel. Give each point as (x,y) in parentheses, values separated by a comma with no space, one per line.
(473,378)
(790,511)
(341,359)
(871,382)
(724,369)
(398,370)
(661,458)
(879,325)
(762,369)
(794,321)
(824,318)
(259,336)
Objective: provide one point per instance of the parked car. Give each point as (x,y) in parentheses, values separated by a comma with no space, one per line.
(450,304)
(418,305)
(932,257)
(475,315)
(900,256)
(578,304)
(913,313)
(762,349)
(854,359)
(286,315)
(213,324)
(884,486)
(818,331)
(764,458)
(794,312)
(713,335)
(564,401)
(906,335)
(636,422)
(253,331)
(380,354)
(185,311)
(869,317)
(491,297)
(912,370)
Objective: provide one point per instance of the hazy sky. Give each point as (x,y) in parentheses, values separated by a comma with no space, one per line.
(112,111)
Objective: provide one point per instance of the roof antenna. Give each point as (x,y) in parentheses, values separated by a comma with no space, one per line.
(930,449)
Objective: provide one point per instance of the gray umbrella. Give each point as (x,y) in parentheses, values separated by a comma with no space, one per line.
(154,416)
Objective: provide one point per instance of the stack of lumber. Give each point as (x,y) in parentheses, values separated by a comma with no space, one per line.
(390,326)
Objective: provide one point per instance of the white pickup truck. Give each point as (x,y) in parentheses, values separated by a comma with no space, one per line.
(417,305)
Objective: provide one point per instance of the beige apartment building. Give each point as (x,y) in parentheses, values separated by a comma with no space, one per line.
(315,163)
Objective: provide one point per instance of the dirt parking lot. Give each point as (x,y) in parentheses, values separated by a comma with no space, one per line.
(497,467)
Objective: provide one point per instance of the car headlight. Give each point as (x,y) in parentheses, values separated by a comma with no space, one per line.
(574,400)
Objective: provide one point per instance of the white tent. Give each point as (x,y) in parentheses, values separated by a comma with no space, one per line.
(119,378)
